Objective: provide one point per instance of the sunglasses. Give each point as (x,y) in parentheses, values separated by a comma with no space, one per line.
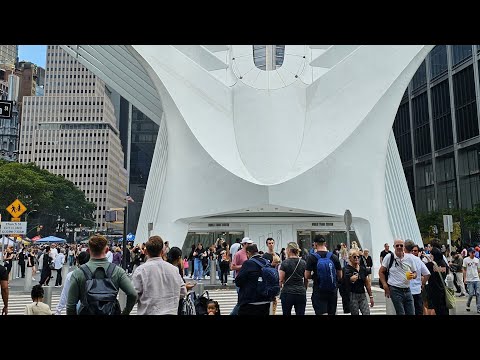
(355,257)
(399,245)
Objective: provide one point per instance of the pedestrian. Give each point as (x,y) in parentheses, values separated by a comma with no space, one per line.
(4,288)
(417,285)
(324,298)
(98,262)
(471,278)
(158,283)
(38,307)
(237,262)
(46,270)
(293,282)
(398,286)
(436,287)
(356,282)
(250,302)
(83,258)
(213,308)
(59,261)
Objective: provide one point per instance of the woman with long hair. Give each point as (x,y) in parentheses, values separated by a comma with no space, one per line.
(356,281)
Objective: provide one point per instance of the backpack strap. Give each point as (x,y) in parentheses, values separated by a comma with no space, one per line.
(392,258)
(87,272)
(259,262)
(110,270)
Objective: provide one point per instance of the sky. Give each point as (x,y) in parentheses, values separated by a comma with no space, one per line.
(36,54)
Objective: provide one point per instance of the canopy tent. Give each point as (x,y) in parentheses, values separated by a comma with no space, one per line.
(7,241)
(49,240)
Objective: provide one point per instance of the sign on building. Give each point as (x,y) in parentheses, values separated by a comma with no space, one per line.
(6,109)
(9,228)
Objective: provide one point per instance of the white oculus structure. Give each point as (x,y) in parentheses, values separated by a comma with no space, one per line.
(299,130)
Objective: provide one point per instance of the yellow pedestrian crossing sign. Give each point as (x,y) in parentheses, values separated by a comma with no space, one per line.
(16,208)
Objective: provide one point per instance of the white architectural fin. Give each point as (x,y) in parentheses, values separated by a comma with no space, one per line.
(322,47)
(333,55)
(202,57)
(216,48)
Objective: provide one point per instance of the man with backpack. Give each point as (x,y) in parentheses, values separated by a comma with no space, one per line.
(96,284)
(258,284)
(326,271)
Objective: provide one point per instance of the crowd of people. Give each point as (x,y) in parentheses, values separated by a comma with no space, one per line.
(156,277)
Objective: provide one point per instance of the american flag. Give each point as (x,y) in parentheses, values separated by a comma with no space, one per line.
(129,198)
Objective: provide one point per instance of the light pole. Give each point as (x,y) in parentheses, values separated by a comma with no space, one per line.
(26,215)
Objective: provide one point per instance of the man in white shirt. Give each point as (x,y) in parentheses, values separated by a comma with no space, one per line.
(417,284)
(158,283)
(59,261)
(471,278)
(397,288)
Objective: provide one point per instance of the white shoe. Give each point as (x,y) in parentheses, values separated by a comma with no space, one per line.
(33,278)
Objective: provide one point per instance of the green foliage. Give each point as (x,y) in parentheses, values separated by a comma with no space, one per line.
(47,193)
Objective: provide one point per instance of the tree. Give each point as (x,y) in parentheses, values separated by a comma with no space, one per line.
(51,195)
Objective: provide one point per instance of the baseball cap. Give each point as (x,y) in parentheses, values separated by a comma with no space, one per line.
(319,239)
(247,240)
(471,249)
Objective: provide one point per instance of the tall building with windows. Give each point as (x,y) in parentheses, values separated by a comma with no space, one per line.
(72,131)
(437,130)
(8,54)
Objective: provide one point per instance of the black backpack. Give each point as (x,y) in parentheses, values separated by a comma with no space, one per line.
(100,296)
(201,303)
(387,272)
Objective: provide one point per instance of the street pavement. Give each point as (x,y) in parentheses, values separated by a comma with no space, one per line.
(226,297)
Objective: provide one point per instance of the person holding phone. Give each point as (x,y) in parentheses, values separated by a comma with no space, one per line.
(356,281)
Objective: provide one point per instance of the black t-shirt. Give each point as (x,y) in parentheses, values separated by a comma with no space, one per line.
(358,287)
(3,273)
(384,253)
(295,284)
(312,266)
(269,257)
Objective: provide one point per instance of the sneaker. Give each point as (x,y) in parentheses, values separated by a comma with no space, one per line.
(461,295)
(33,279)
(468,308)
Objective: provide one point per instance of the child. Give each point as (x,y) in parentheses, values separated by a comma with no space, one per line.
(37,307)
(213,308)
(185,266)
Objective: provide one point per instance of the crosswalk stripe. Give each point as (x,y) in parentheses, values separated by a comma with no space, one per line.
(227,299)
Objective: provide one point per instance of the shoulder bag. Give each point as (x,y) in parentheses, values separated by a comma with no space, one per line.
(449,293)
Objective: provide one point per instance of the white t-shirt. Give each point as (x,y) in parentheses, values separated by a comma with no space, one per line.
(472,268)
(234,248)
(416,284)
(400,266)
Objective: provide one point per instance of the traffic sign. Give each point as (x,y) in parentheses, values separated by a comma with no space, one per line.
(6,109)
(447,223)
(14,219)
(10,227)
(16,208)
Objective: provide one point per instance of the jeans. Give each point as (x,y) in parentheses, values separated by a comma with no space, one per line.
(402,300)
(235,309)
(418,304)
(198,272)
(71,258)
(473,290)
(293,300)
(58,279)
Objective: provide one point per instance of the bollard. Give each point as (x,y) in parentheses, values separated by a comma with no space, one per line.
(213,272)
(28,280)
(122,299)
(15,268)
(65,269)
(47,297)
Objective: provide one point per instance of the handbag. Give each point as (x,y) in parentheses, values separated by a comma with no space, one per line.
(449,293)
(52,265)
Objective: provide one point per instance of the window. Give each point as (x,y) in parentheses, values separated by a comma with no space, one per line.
(420,77)
(438,60)
(465,104)
(442,117)
(421,125)
(460,53)
(268,57)
(401,129)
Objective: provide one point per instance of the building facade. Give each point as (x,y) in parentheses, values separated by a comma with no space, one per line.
(71,131)
(8,54)
(437,130)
